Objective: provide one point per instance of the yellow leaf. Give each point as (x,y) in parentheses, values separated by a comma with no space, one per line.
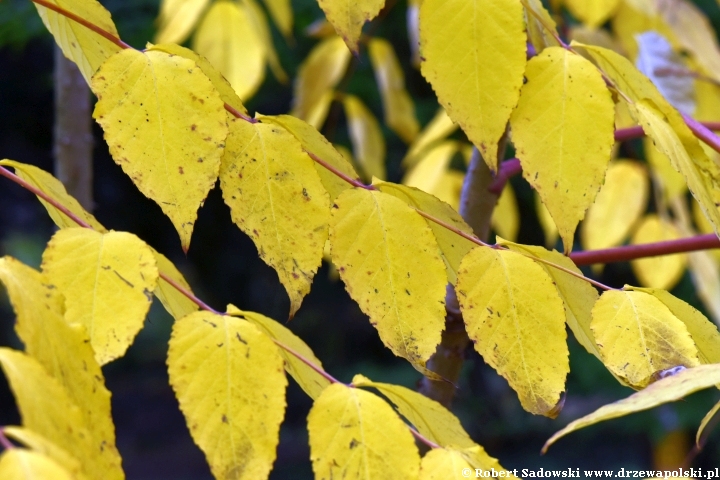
(449,187)
(506,216)
(577,294)
(685,154)
(47,409)
(321,70)
(318,113)
(366,136)
(262,30)
(314,142)
(453,247)
(172,144)
(51,186)
(439,127)
(356,435)
(666,128)
(349,16)
(592,12)
(536,29)
(705,274)
(617,208)
(227,38)
(282,14)
(397,103)
(661,271)
(80,44)
(669,389)
(229,380)
(176,304)
(38,443)
(21,464)
(177,18)
(107,282)
(593,36)
(693,32)
(638,336)
(442,464)
(427,172)
(474,57)
(703,332)
(65,353)
(516,319)
(276,197)
(706,421)
(670,179)
(309,380)
(227,94)
(564,120)
(433,421)
(637,16)
(390,262)
(546,222)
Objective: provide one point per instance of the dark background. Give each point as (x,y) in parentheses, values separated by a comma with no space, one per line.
(223,267)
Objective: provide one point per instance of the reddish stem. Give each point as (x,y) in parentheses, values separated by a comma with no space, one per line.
(632,252)
(422,438)
(307,362)
(508,169)
(91,26)
(352,181)
(4,442)
(238,114)
(703,132)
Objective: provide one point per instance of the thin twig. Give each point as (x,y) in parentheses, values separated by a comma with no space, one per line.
(633,252)
(352,181)
(89,25)
(307,362)
(422,438)
(4,441)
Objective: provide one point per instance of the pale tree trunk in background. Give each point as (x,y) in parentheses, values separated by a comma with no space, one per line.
(73,131)
(476,207)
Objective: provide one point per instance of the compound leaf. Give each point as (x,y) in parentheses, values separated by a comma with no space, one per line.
(229,380)
(356,435)
(389,260)
(166,126)
(276,197)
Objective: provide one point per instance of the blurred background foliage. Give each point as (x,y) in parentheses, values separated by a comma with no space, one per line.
(223,267)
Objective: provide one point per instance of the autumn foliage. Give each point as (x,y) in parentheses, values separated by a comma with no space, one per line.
(175,122)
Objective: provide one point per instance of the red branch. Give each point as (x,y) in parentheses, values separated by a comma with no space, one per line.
(4,442)
(632,252)
(103,33)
